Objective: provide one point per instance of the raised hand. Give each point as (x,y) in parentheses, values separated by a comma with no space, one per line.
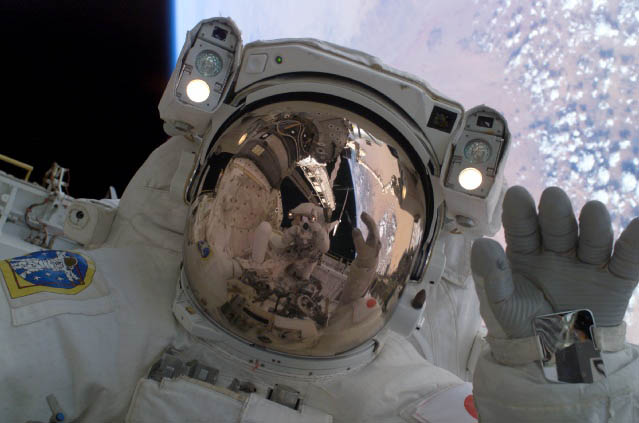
(554,264)
(367,251)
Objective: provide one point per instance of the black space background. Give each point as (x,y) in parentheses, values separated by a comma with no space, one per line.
(81,81)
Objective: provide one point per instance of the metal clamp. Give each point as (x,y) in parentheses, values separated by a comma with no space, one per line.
(171,367)
(570,354)
(286,396)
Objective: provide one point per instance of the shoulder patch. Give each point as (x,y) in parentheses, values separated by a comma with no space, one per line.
(60,272)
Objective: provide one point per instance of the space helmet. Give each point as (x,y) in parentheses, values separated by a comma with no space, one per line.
(304,229)
(321,185)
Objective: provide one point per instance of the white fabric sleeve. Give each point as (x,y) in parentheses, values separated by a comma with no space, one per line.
(151,210)
(522,394)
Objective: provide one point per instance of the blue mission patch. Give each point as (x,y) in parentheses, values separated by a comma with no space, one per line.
(54,271)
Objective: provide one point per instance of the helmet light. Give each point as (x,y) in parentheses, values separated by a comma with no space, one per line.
(470,178)
(198,90)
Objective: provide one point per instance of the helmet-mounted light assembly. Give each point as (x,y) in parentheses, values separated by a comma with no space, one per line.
(473,177)
(201,76)
(477,153)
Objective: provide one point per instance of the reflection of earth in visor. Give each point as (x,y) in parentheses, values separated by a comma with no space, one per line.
(304,230)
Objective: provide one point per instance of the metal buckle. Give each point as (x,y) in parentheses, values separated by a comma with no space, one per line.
(286,396)
(170,367)
(570,352)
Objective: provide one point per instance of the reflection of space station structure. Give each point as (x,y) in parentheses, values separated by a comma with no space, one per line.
(331,274)
(289,289)
(294,313)
(291,315)
(317,176)
(281,210)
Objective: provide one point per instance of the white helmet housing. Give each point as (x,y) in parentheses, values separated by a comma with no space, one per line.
(323,181)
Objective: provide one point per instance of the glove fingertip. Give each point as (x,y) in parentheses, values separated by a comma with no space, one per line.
(485,255)
(625,259)
(358,238)
(489,262)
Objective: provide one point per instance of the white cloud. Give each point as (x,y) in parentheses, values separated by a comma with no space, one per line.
(603,29)
(614,159)
(596,4)
(571,4)
(628,182)
(603,176)
(586,163)
(600,195)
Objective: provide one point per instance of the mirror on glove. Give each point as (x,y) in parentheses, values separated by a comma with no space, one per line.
(570,352)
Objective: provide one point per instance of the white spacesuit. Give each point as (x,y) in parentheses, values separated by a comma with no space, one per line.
(324,270)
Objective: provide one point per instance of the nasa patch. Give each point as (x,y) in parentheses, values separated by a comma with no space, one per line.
(60,272)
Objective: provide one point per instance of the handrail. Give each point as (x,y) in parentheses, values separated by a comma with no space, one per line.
(19,164)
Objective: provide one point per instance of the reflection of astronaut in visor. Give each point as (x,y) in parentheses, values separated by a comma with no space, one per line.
(306,240)
(270,215)
(292,148)
(299,149)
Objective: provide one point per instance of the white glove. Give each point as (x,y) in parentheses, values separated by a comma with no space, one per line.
(367,251)
(362,270)
(551,266)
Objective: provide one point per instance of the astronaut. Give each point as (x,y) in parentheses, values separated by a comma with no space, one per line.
(303,243)
(367,313)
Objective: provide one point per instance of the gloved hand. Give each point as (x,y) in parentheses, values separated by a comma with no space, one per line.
(362,270)
(553,265)
(367,251)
